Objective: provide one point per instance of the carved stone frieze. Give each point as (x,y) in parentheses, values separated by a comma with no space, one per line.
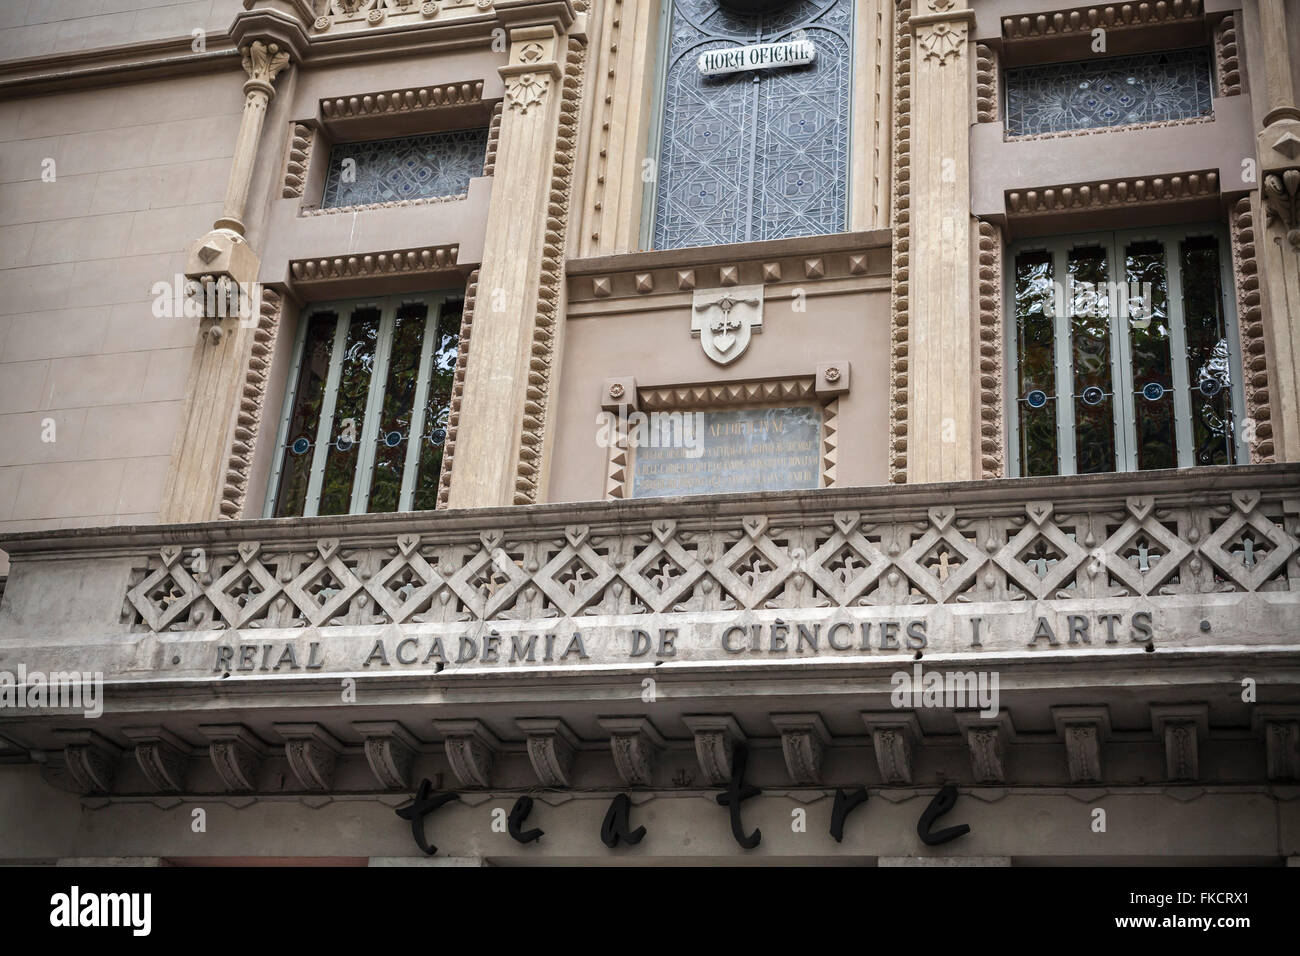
(1210,540)
(298,161)
(1226,61)
(900,271)
(248,419)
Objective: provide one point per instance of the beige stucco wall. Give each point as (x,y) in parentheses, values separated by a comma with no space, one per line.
(140,172)
(31,28)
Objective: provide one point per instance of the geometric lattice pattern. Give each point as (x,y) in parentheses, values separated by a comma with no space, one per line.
(1117,91)
(1148,545)
(412,167)
(760,154)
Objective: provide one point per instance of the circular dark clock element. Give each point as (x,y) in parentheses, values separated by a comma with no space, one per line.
(1210,387)
(300,446)
(1036,399)
(1092,395)
(1153,391)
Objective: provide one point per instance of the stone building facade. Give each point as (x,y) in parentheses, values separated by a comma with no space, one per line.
(794,428)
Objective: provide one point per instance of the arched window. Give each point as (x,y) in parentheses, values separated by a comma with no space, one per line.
(757,154)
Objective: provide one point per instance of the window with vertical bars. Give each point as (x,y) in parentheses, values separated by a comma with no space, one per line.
(365,415)
(1124,353)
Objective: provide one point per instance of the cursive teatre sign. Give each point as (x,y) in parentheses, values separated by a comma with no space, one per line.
(759,56)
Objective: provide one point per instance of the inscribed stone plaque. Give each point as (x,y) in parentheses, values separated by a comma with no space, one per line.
(729,450)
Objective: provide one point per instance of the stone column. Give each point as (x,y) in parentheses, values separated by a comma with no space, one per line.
(223,255)
(213,445)
(511,371)
(1278,245)
(942,431)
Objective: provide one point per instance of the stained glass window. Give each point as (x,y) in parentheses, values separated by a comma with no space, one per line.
(758,154)
(365,422)
(1114,91)
(412,167)
(1124,355)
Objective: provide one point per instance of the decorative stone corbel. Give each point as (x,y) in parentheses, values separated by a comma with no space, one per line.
(236,754)
(91,760)
(162,756)
(716,736)
(1280,728)
(312,752)
(633,741)
(1183,727)
(551,749)
(390,751)
(986,738)
(893,734)
(223,258)
(1084,730)
(804,739)
(471,750)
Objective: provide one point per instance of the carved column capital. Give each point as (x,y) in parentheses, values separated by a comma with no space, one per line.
(263,62)
(1281,194)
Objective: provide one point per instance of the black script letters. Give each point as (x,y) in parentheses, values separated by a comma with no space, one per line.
(845,803)
(423,805)
(615,827)
(736,793)
(943,801)
(518,814)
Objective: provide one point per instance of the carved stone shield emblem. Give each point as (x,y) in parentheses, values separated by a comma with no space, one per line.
(725,319)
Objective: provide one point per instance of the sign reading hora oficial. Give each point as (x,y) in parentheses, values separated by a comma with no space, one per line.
(758,56)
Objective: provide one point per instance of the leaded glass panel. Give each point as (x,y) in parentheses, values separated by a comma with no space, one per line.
(1115,91)
(411,167)
(760,154)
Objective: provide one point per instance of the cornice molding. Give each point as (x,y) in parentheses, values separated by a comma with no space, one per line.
(396,262)
(1103,194)
(1115,16)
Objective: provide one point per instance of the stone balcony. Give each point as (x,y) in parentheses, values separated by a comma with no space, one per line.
(1105,603)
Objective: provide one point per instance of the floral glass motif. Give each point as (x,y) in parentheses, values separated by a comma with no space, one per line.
(759,154)
(412,167)
(1116,91)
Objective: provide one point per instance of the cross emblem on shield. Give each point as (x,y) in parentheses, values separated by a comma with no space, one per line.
(725,319)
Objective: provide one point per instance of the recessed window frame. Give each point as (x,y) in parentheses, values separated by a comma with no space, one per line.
(367,440)
(1124,420)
